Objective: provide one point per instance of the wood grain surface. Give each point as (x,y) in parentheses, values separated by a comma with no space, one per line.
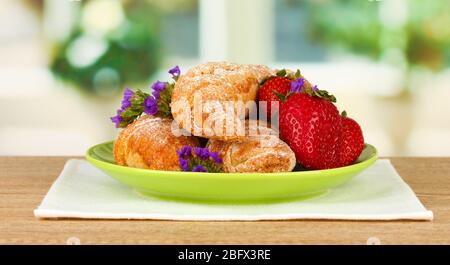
(24,181)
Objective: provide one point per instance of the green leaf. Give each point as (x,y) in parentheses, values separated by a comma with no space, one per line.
(280,96)
(208,164)
(265,80)
(281,73)
(324,95)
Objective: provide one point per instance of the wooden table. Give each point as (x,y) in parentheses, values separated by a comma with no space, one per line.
(24,181)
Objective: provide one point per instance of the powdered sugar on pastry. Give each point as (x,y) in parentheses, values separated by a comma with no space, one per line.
(149,143)
(263,152)
(216,85)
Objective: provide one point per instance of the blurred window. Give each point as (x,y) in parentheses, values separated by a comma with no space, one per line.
(180,31)
(291,36)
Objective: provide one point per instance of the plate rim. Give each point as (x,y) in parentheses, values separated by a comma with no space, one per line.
(358,166)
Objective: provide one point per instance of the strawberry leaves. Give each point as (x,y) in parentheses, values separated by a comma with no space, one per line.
(281,96)
(281,73)
(323,94)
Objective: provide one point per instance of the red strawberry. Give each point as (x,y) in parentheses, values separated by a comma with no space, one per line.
(311,125)
(269,89)
(351,142)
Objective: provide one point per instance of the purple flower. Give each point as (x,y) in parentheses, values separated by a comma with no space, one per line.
(117,119)
(175,72)
(216,158)
(150,106)
(296,85)
(315,88)
(199,168)
(159,86)
(184,152)
(128,94)
(200,162)
(202,153)
(156,94)
(184,164)
(183,157)
(126,101)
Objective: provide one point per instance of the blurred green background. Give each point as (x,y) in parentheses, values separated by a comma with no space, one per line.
(65,63)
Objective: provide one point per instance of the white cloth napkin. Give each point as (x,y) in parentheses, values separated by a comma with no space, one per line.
(378,193)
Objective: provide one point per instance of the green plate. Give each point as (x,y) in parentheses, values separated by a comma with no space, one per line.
(228,187)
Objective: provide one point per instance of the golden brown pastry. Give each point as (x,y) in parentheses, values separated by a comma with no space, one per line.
(149,143)
(223,89)
(261,152)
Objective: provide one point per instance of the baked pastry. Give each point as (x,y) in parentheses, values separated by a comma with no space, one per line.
(209,99)
(149,143)
(261,152)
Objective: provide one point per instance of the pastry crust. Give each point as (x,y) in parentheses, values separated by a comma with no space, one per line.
(220,86)
(149,143)
(263,153)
